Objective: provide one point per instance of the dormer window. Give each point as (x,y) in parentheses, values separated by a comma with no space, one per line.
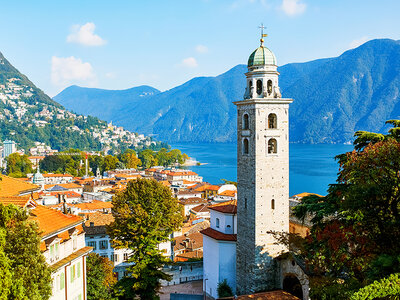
(259,86)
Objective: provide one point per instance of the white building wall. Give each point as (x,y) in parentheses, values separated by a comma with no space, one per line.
(227,222)
(211,266)
(227,260)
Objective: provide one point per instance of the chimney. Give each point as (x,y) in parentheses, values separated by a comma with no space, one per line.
(64,205)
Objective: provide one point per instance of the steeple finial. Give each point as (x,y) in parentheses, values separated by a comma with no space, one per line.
(262,34)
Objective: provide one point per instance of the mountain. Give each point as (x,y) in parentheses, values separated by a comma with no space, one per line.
(103,104)
(28,115)
(333,97)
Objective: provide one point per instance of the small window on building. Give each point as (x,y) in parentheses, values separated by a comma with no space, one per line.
(126,257)
(269,87)
(103,244)
(217,222)
(245,121)
(272,146)
(73,273)
(273,203)
(245,146)
(78,271)
(259,87)
(62,281)
(272,121)
(75,242)
(245,203)
(92,244)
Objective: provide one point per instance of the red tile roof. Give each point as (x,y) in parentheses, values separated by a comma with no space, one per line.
(10,186)
(51,221)
(200,208)
(192,200)
(217,235)
(228,207)
(56,175)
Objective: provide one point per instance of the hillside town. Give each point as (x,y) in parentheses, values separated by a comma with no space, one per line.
(170,155)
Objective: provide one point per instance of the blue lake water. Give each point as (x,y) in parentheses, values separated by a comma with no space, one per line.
(312,167)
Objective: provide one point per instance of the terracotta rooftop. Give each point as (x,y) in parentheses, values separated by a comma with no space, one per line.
(301,195)
(273,295)
(186,192)
(228,207)
(51,221)
(228,193)
(192,200)
(56,175)
(181,173)
(21,201)
(217,235)
(94,205)
(14,187)
(96,222)
(200,208)
(195,241)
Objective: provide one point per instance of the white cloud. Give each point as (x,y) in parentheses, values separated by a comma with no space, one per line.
(201,49)
(85,35)
(69,70)
(189,62)
(358,42)
(293,7)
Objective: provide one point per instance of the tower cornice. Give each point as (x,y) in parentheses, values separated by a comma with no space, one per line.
(264,101)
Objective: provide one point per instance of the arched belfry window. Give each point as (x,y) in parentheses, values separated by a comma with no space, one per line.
(269,87)
(272,146)
(250,85)
(272,121)
(245,121)
(245,146)
(259,86)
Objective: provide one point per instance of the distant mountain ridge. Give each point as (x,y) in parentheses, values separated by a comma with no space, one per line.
(333,97)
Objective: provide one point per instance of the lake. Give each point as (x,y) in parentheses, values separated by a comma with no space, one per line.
(312,166)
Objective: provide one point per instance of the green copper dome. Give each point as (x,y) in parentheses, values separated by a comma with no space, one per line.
(261,56)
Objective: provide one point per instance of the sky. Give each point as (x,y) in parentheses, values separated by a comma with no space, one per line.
(121,44)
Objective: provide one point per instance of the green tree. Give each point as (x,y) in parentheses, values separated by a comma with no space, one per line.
(100,277)
(130,159)
(223,289)
(53,164)
(145,214)
(18,165)
(110,162)
(356,227)
(148,158)
(24,273)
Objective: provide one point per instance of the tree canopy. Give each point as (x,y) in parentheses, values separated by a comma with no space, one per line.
(355,236)
(18,165)
(100,277)
(145,214)
(24,273)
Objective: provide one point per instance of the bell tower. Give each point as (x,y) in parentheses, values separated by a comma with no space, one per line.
(263,173)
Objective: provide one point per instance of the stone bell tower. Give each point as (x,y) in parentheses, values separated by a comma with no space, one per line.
(263,174)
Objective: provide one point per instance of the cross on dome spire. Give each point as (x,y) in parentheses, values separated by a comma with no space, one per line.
(262,27)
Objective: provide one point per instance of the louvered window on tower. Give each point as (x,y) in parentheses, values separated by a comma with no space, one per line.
(259,87)
(245,121)
(272,146)
(272,121)
(245,146)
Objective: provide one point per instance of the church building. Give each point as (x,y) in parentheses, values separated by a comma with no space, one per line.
(262,264)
